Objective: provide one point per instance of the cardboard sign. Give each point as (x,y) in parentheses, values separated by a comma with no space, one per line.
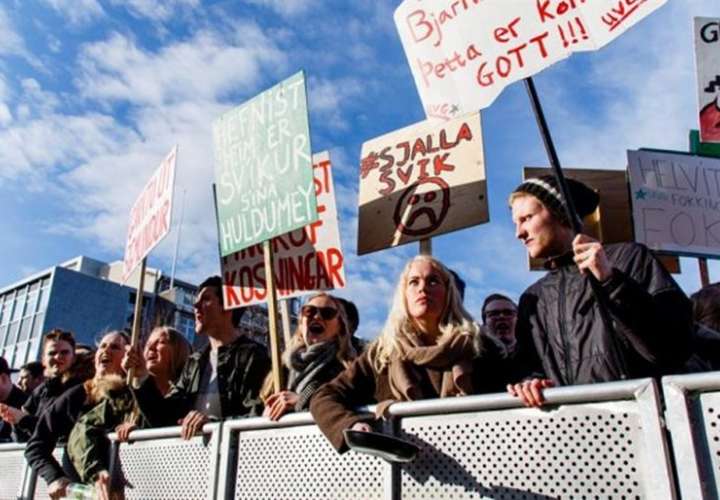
(612,221)
(707,56)
(462,54)
(676,202)
(305,260)
(263,167)
(421,181)
(151,215)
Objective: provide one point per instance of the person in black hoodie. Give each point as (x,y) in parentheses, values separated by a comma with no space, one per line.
(58,358)
(636,323)
(57,421)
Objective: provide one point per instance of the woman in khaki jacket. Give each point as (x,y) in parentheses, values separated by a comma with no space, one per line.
(426,350)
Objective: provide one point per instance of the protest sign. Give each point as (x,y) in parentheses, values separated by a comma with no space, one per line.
(421,181)
(150,215)
(263,167)
(305,260)
(612,222)
(707,57)
(676,202)
(463,53)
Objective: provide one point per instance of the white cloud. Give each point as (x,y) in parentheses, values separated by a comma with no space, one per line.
(328,98)
(155,9)
(287,8)
(78,11)
(204,67)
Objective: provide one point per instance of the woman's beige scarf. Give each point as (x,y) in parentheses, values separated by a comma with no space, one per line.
(453,356)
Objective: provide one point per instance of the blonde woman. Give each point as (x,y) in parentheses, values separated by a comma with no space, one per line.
(320,349)
(427,349)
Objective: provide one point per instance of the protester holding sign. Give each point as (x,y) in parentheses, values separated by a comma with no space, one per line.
(320,349)
(221,381)
(637,325)
(426,350)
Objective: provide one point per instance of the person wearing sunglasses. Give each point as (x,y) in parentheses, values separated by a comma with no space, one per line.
(319,350)
(427,349)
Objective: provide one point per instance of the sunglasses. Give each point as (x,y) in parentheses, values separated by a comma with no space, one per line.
(326,313)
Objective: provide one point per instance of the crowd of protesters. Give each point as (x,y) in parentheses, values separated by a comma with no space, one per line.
(600,313)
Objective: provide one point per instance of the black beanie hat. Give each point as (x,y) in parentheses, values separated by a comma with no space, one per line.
(547,190)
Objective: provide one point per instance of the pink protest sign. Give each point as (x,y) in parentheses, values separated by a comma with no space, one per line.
(151,214)
(305,260)
(462,53)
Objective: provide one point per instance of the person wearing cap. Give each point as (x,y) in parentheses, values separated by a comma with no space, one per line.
(636,323)
(10,395)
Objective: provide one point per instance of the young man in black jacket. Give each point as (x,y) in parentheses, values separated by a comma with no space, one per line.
(222,381)
(636,323)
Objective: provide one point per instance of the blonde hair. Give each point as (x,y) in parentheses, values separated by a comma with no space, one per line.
(455,319)
(345,353)
(180,349)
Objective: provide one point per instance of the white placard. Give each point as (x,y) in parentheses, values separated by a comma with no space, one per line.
(676,202)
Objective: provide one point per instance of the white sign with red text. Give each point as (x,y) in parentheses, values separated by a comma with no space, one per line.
(305,260)
(462,53)
(151,215)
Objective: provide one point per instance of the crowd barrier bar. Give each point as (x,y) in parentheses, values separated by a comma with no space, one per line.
(455,431)
(692,415)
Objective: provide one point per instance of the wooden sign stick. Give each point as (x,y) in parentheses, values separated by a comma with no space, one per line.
(272,317)
(137,318)
(704,273)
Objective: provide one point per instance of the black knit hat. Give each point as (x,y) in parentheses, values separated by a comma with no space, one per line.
(547,190)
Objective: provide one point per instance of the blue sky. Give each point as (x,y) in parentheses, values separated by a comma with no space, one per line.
(93,94)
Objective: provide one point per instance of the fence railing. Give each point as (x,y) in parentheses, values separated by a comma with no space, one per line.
(602,440)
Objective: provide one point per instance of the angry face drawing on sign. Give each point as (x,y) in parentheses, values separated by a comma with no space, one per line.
(423,206)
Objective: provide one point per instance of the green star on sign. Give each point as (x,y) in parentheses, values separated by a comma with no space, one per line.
(640,194)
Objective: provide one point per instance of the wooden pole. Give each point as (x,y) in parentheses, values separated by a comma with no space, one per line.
(272,317)
(137,318)
(704,274)
(426,246)
(285,317)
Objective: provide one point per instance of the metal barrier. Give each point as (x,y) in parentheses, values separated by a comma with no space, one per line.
(693,420)
(158,464)
(602,440)
(12,471)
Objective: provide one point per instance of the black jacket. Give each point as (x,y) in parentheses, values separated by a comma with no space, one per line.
(16,399)
(41,398)
(646,332)
(53,427)
(242,366)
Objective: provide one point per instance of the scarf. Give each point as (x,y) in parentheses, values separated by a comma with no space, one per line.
(307,363)
(453,356)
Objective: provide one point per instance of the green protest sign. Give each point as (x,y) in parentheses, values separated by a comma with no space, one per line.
(263,167)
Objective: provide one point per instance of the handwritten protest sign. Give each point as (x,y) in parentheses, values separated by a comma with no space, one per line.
(151,215)
(263,167)
(707,55)
(306,259)
(463,53)
(676,202)
(421,181)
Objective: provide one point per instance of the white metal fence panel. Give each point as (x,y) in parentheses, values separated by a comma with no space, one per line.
(12,464)
(612,449)
(156,466)
(693,420)
(298,462)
